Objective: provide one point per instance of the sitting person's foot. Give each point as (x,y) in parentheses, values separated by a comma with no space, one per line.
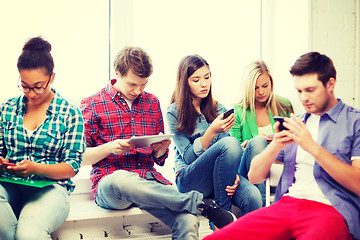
(219,216)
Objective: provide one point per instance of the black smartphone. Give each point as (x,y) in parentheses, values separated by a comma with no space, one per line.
(228,113)
(281,120)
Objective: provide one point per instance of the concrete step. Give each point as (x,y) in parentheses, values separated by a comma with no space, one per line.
(86,220)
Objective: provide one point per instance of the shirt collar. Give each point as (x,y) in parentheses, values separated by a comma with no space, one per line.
(21,104)
(52,107)
(333,113)
(53,104)
(113,92)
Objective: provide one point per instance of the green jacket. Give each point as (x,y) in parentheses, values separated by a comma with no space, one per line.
(249,128)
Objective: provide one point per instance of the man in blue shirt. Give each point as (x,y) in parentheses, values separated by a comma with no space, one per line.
(318,193)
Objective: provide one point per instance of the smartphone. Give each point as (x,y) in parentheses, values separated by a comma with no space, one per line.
(281,120)
(228,113)
(8,164)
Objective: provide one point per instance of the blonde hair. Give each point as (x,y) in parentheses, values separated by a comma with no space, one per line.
(251,74)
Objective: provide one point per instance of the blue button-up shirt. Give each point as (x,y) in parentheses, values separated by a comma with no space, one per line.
(339,133)
(188,147)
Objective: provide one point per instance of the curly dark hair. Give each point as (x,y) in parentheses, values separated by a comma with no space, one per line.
(35,55)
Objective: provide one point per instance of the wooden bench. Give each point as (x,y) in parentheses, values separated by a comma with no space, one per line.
(86,220)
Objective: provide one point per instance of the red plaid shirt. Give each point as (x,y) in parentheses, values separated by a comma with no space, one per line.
(107,117)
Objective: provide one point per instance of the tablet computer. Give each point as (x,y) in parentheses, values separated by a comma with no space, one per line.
(27,182)
(146,141)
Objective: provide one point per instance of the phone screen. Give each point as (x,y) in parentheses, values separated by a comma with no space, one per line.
(228,113)
(281,120)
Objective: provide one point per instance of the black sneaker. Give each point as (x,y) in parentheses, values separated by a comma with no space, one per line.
(219,216)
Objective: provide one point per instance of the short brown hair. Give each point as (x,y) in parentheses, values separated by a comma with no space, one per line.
(314,62)
(134,59)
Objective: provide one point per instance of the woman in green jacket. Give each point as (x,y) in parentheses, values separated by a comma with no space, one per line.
(255,114)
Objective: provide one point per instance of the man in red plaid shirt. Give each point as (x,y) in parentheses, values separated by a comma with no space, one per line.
(123,175)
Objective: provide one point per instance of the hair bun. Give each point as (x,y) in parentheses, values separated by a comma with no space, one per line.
(37,44)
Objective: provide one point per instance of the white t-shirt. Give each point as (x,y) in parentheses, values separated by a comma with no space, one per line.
(29,132)
(267,130)
(305,185)
(128,102)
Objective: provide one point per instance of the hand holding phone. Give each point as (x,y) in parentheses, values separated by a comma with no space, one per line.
(8,164)
(281,120)
(228,113)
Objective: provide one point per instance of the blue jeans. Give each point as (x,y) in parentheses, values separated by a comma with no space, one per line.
(31,213)
(179,211)
(215,169)
(254,147)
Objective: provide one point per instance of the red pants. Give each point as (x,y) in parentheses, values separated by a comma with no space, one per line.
(289,218)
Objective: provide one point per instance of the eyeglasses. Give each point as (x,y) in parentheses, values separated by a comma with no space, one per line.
(35,89)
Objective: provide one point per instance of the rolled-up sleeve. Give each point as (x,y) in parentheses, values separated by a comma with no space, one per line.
(74,142)
(198,149)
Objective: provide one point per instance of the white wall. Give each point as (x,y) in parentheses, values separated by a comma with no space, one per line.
(332,27)
(335,32)
(226,34)
(285,37)
(78,33)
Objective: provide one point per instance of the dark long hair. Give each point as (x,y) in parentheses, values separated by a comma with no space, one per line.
(183,98)
(35,55)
